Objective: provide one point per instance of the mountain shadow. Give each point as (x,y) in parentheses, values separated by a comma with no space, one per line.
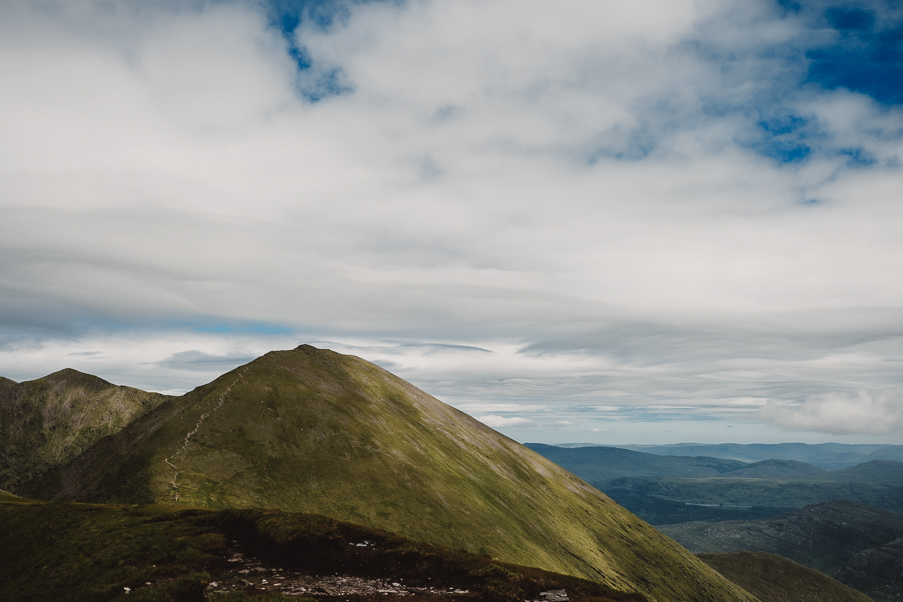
(858,545)
(773,578)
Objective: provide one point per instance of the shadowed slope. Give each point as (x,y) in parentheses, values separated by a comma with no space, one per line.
(316,431)
(44,423)
(83,552)
(856,544)
(773,578)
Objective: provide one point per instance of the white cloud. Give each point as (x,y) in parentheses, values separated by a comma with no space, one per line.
(496,421)
(864,412)
(573,187)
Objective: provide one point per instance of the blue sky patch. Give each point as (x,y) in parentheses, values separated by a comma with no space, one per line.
(786,138)
(865,55)
(241,328)
(287,15)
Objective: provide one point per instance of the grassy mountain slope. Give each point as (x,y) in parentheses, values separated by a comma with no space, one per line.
(315,431)
(772,578)
(77,552)
(6,383)
(44,423)
(854,543)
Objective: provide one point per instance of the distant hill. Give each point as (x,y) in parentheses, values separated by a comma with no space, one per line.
(674,489)
(777,469)
(773,578)
(314,431)
(598,464)
(44,423)
(887,472)
(856,544)
(888,452)
(829,456)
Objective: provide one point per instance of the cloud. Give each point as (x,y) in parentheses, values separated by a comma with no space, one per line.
(864,412)
(496,421)
(507,202)
(198,360)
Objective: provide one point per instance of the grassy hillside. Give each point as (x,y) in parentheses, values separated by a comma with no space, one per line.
(315,431)
(44,423)
(773,578)
(856,544)
(77,552)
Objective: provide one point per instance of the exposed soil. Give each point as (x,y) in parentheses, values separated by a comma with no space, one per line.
(256,576)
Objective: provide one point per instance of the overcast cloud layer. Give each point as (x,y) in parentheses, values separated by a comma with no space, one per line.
(642,222)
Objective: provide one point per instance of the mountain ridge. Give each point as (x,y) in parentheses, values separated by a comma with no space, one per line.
(46,422)
(315,431)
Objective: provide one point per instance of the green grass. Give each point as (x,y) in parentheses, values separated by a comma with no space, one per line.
(776,579)
(79,552)
(318,432)
(44,423)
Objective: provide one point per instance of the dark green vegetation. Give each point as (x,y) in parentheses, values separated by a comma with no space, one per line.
(857,545)
(673,489)
(772,578)
(829,456)
(77,552)
(44,423)
(319,432)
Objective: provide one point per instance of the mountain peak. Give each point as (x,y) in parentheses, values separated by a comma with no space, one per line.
(316,431)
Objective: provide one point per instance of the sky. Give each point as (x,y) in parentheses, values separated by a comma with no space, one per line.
(650,222)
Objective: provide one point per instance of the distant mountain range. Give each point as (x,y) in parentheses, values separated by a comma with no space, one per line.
(314,431)
(829,456)
(675,489)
